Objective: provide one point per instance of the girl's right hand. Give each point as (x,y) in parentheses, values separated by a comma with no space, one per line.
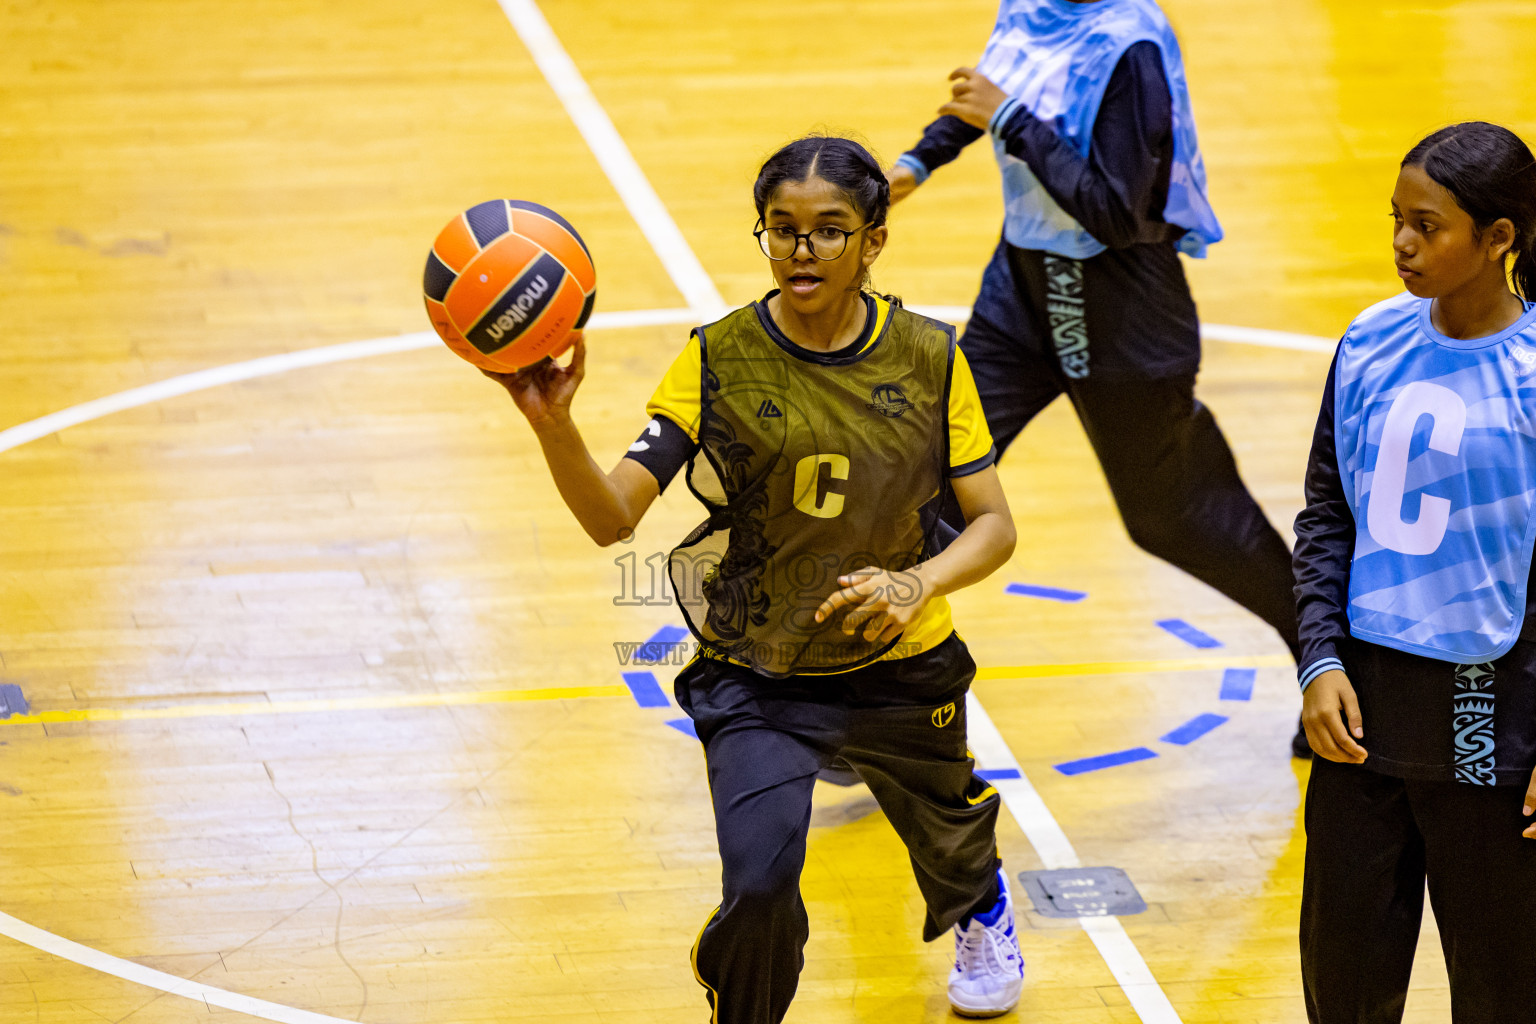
(543,391)
(1330,694)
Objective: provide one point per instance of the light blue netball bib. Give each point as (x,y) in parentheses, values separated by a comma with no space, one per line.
(1056,58)
(1437,455)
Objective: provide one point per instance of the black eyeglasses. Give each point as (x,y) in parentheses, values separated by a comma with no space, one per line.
(825,243)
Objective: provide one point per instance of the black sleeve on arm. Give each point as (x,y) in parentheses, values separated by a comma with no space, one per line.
(663,448)
(1325,546)
(943,140)
(1119,190)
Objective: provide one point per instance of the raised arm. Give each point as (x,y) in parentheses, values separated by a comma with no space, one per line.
(607,505)
(942,141)
(1117,192)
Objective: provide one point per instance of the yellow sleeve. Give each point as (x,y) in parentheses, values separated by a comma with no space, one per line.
(970,442)
(677,396)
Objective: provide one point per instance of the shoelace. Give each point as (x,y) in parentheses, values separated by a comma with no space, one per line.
(977,947)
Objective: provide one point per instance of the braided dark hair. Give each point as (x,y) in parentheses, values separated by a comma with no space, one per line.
(846,165)
(1491,174)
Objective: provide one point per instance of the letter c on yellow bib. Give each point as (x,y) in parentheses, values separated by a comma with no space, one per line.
(809,497)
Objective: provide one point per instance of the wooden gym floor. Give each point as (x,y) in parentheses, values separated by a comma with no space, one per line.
(323,702)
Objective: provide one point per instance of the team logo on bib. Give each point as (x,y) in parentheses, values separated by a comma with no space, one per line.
(943,716)
(888,400)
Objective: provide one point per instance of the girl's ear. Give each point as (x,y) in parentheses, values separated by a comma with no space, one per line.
(874,242)
(1499,239)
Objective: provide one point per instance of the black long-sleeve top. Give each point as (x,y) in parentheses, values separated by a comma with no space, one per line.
(1325,547)
(1118,191)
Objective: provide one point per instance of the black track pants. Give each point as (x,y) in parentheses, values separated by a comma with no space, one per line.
(1173,477)
(1372,842)
(901,725)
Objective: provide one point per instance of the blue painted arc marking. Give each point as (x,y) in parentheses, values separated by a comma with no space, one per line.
(1048,593)
(11,701)
(1189,634)
(648,692)
(1093,764)
(1193,729)
(993,774)
(1237,683)
(684,726)
(659,647)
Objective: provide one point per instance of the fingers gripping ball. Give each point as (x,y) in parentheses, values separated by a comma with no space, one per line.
(507,282)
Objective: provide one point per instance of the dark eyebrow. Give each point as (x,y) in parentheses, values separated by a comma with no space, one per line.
(830,211)
(1421,210)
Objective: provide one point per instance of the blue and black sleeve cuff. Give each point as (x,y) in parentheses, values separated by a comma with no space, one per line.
(1310,672)
(917,167)
(1004,111)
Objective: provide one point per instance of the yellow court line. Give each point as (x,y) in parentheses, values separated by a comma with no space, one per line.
(1120,668)
(459,699)
(291,707)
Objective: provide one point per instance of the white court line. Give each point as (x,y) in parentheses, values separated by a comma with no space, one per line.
(85,956)
(212,377)
(1055,850)
(265,366)
(614,157)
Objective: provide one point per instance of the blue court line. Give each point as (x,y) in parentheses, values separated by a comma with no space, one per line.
(1193,729)
(1237,683)
(1093,764)
(647,691)
(1189,634)
(1049,593)
(658,648)
(991,774)
(684,726)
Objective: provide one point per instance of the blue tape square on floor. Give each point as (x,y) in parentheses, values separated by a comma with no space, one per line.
(1093,764)
(1237,683)
(659,646)
(1193,729)
(647,691)
(1189,634)
(684,726)
(1048,593)
(998,773)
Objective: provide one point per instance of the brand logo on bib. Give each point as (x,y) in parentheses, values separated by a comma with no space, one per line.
(1523,358)
(943,716)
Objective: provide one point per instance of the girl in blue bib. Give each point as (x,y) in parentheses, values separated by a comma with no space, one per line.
(1088,112)
(1416,616)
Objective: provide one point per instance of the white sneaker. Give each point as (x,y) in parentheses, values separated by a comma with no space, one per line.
(989,969)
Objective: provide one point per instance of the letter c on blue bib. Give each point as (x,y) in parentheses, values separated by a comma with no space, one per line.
(1384,511)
